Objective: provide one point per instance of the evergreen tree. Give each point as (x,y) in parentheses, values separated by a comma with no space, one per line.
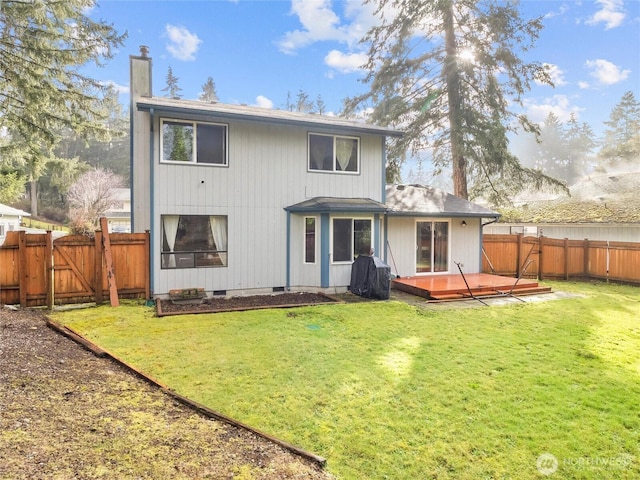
(321,107)
(303,102)
(43,45)
(422,79)
(179,148)
(580,143)
(172,88)
(621,142)
(208,93)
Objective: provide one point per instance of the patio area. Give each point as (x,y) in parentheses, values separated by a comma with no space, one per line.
(453,286)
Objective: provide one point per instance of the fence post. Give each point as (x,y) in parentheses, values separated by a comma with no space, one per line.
(540,256)
(566,258)
(50,279)
(520,236)
(22,266)
(586,257)
(97,280)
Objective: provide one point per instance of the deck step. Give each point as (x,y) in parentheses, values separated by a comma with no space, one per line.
(529,290)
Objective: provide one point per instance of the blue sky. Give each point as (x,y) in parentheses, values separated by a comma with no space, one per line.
(257,51)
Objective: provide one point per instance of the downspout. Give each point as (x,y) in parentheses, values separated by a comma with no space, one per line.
(288,254)
(384,170)
(152,231)
(376,234)
(384,200)
(386,231)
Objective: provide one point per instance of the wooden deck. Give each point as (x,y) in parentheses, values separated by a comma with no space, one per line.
(451,287)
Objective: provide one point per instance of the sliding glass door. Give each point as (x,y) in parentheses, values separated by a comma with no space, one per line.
(432,247)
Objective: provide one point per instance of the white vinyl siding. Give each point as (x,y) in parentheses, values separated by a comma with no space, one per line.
(464,244)
(267,172)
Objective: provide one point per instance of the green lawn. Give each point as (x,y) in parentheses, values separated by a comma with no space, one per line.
(387,390)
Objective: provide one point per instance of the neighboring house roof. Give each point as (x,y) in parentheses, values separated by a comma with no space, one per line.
(12,212)
(410,200)
(112,214)
(332,204)
(123,194)
(244,112)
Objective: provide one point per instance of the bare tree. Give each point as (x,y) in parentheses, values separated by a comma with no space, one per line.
(90,197)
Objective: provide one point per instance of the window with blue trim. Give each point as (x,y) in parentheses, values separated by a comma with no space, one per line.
(193,142)
(333,153)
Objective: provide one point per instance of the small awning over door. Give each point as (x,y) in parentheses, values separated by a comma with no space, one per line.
(337,205)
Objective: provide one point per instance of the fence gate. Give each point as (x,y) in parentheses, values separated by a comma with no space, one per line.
(36,270)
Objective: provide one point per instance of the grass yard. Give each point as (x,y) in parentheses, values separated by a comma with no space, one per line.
(384,390)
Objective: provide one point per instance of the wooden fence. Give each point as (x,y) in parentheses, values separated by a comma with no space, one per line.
(36,270)
(552,258)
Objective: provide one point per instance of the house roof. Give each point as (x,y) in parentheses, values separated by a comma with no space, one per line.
(409,200)
(12,212)
(337,205)
(226,111)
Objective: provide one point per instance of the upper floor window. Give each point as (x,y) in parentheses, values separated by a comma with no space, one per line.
(333,153)
(193,142)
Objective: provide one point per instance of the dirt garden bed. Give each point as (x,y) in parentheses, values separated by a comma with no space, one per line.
(229,304)
(69,414)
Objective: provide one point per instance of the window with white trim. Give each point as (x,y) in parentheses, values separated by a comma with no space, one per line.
(310,240)
(193,241)
(351,238)
(193,142)
(333,153)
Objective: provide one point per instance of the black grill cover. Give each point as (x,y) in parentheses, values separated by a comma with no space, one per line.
(370,278)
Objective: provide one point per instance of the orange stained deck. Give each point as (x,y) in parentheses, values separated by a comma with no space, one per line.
(444,287)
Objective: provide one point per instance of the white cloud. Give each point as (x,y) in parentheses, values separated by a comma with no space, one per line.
(264,102)
(183,44)
(556,74)
(605,72)
(559,105)
(119,88)
(321,23)
(583,85)
(345,62)
(611,14)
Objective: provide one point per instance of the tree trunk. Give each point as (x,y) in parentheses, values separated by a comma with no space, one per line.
(452,76)
(33,193)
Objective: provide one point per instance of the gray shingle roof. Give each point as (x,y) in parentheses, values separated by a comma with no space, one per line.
(410,200)
(245,112)
(333,204)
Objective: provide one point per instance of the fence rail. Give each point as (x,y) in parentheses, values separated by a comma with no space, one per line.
(561,258)
(36,270)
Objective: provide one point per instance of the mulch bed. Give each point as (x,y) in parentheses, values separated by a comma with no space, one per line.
(253,302)
(66,413)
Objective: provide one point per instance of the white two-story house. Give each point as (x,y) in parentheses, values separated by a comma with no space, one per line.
(243,199)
